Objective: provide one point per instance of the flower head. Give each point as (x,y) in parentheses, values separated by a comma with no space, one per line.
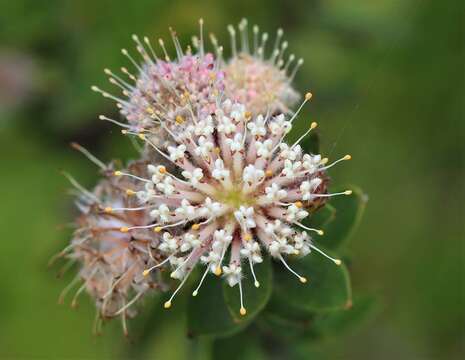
(112,258)
(165,89)
(261,82)
(227,203)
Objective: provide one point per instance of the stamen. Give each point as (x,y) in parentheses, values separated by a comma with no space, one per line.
(232,33)
(80,187)
(103,117)
(146,272)
(256,283)
(196,291)
(134,299)
(162,45)
(336,261)
(167,304)
(308,96)
(313,125)
(242,310)
(345,158)
(302,279)
(318,231)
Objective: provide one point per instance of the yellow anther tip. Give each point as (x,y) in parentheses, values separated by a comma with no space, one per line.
(320,232)
(218,271)
(157,229)
(129,192)
(162,170)
(348,192)
(145,272)
(299,204)
(108,209)
(195,293)
(196,227)
(303,280)
(248,115)
(124,132)
(117,173)
(347,157)
(268,173)
(324,161)
(179,119)
(141,136)
(167,305)
(243,311)
(257,284)
(247,237)
(338,262)
(124,229)
(313,125)
(308,96)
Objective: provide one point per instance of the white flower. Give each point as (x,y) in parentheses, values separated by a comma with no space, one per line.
(162,213)
(279,125)
(311,162)
(186,210)
(194,177)
(290,153)
(219,172)
(291,168)
(169,244)
(177,152)
(226,125)
(167,186)
(232,273)
(252,175)
(245,216)
(294,213)
(251,250)
(204,147)
(308,187)
(275,193)
(257,127)
(264,148)
(235,144)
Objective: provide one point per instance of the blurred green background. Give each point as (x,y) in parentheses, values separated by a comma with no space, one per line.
(388,84)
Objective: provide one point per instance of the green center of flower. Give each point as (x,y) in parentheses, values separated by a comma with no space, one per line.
(235,198)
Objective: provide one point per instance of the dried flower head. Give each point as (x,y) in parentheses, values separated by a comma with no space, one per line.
(237,188)
(165,88)
(111,260)
(259,82)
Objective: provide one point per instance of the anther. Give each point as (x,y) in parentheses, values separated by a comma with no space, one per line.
(117,173)
(157,229)
(298,204)
(108,209)
(313,125)
(124,229)
(268,173)
(348,192)
(130,192)
(247,237)
(308,96)
(257,284)
(179,119)
(347,157)
(162,170)
(303,280)
(195,226)
(141,136)
(218,271)
(320,232)
(243,311)
(167,305)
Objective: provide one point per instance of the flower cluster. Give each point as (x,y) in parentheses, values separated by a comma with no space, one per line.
(218,186)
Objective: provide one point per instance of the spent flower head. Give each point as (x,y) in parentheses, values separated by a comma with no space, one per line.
(111,261)
(261,82)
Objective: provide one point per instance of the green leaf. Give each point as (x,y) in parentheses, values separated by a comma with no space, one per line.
(348,211)
(255,299)
(249,349)
(208,314)
(343,321)
(327,287)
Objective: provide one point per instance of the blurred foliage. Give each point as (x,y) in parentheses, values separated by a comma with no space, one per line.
(387,78)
